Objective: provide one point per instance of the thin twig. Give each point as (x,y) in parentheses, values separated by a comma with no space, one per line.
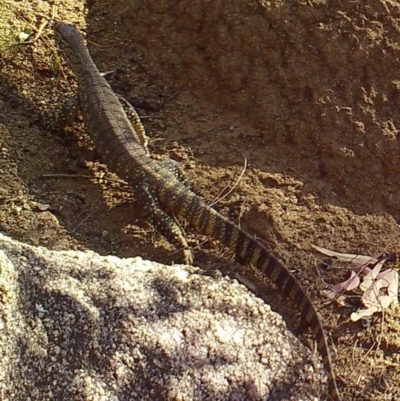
(153,116)
(214,202)
(66,176)
(81,176)
(241,212)
(40,30)
(86,218)
(362,358)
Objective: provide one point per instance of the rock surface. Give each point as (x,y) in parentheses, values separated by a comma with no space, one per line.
(80,326)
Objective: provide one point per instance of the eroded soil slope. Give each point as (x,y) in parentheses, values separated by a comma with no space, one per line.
(307,93)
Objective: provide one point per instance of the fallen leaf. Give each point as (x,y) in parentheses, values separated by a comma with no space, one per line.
(346,257)
(371,276)
(376,302)
(349,284)
(363,313)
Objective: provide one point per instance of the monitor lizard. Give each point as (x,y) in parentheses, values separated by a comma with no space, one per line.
(161,191)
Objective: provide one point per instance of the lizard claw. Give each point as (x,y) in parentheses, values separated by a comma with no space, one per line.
(187,256)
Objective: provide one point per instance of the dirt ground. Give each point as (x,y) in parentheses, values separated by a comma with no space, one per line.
(306,92)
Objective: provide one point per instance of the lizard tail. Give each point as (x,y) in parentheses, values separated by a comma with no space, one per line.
(249,251)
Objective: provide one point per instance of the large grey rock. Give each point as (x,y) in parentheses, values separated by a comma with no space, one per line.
(79,326)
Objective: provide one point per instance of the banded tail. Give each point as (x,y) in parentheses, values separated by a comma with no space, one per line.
(183,202)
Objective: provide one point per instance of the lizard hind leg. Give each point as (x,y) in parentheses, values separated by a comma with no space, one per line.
(164,223)
(173,167)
